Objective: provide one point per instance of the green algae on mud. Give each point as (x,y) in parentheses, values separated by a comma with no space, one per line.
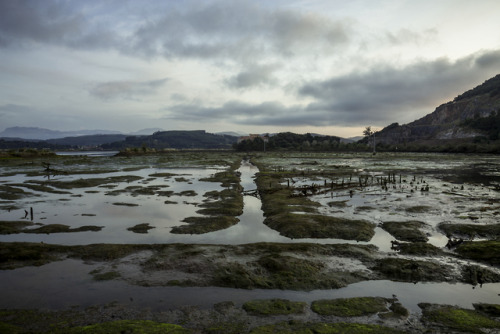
(206,224)
(220,209)
(319,226)
(483,251)
(14,227)
(419,249)
(87,182)
(448,317)
(314,327)
(10,193)
(405,270)
(350,307)
(140,228)
(469,231)
(104,276)
(128,326)
(406,230)
(271,307)
(297,217)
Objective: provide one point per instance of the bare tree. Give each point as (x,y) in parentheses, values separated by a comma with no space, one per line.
(367,132)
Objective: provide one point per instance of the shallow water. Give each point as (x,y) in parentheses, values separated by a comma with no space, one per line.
(66,283)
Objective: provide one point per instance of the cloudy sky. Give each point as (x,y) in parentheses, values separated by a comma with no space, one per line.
(324,66)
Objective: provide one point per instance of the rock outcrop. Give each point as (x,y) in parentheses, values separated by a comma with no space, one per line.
(449,120)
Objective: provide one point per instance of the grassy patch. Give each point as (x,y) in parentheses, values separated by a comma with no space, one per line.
(13,227)
(469,231)
(419,209)
(297,216)
(419,249)
(221,208)
(318,226)
(107,276)
(128,326)
(274,307)
(479,275)
(484,251)
(11,329)
(187,193)
(316,328)
(165,175)
(489,309)
(454,318)
(275,271)
(88,182)
(12,193)
(200,225)
(412,270)
(60,228)
(406,231)
(350,307)
(140,228)
(125,204)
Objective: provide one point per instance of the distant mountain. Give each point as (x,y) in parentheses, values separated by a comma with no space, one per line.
(352,139)
(232,133)
(90,141)
(145,132)
(457,119)
(198,139)
(43,134)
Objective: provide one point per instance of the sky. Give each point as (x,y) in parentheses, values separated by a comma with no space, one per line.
(321,66)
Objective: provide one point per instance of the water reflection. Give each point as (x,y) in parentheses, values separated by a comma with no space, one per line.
(67,283)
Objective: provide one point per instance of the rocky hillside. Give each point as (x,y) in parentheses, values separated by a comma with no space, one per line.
(452,120)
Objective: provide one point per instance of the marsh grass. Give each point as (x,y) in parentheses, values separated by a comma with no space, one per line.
(274,307)
(470,231)
(458,319)
(88,182)
(14,227)
(10,193)
(350,307)
(140,228)
(298,217)
(127,326)
(406,230)
(405,270)
(483,251)
(220,209)
(315,327)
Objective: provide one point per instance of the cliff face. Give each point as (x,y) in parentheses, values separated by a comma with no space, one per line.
(447,121)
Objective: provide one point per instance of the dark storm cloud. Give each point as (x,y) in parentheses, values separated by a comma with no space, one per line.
(236,29)
(50,22)
(229,29)
(489,59)
(381,96)
(237,112)
(253,76)
(384,93)
(126,89)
